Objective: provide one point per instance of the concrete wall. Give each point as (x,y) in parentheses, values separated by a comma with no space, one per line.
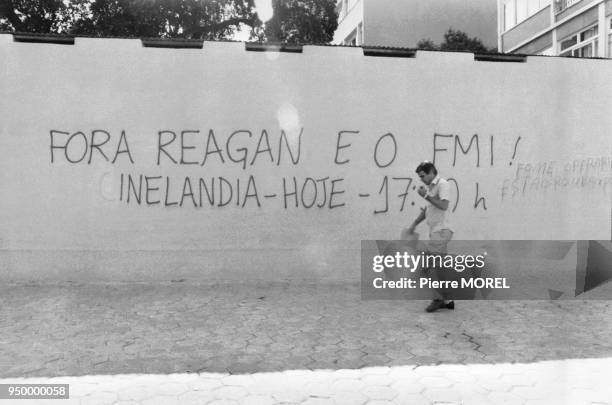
(537,163)
(404,23)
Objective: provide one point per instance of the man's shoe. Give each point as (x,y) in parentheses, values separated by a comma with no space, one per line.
(438,304)
(435,305)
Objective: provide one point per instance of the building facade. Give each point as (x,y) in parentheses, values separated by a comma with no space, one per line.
(580,28)
(403,23)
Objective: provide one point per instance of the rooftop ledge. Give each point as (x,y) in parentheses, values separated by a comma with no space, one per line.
(178,43)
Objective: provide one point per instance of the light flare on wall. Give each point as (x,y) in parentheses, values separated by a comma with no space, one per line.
(289,120)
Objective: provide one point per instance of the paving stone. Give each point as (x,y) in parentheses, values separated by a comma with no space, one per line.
(230,392)
(537,402)
(345,384)
(204,384)
(518,380)
(195,398)
(505,398)
(382,380)
(171,388)
(160,400)
(350,363)
(425,360)
(318,389)
(529,393)
(376,370)
(408,387)
(136,393)
(257,400)
(460,377)
(223,402)
(99,398)
(410,399)
(80,389)
(318,401)
(349,398)
(238,380)
(493,384)
(587,395)
(436,381)
(379,392)
(442,395)
(290,397)
(348,373)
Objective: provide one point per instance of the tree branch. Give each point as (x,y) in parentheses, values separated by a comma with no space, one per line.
(251,22)
(7,10)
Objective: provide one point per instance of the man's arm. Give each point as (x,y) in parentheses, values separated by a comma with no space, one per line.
(441,204)
(417,221)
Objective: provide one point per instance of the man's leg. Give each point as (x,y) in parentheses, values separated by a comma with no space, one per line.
(438,246)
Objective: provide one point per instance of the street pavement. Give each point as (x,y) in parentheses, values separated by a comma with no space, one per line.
(299,344)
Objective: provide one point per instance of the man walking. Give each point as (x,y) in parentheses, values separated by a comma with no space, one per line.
(436,215)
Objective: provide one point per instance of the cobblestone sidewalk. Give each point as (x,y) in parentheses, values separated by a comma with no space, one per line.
(313,344)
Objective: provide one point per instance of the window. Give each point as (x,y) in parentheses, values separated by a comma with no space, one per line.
(547,52)
(533,6)
(355,37)
(521,10)
(569,42)
(351,39)
(561,5)
(517,11)
(509,15)
(591,32)
(582,44)
(343,9)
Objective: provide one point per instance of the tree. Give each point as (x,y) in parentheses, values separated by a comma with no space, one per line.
(306,21)
(191,19)
(40,16)
(460,41)
(302,21)
(455,41)
(427,44)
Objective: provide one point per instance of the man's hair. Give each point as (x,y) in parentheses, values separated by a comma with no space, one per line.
(427,167)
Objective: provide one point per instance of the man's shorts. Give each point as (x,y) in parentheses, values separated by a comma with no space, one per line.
(438,241)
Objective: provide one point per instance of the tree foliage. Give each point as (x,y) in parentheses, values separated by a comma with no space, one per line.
(34,16)
(427,44)
(192,19)
(305,21)
(455,40)
(460,41)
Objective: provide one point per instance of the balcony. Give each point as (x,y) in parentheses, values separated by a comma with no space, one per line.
(561,5)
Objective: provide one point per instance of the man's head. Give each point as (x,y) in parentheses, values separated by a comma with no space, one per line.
(427,172)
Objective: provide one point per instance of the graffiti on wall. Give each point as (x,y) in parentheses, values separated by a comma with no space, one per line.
(244,149)
(589,174)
